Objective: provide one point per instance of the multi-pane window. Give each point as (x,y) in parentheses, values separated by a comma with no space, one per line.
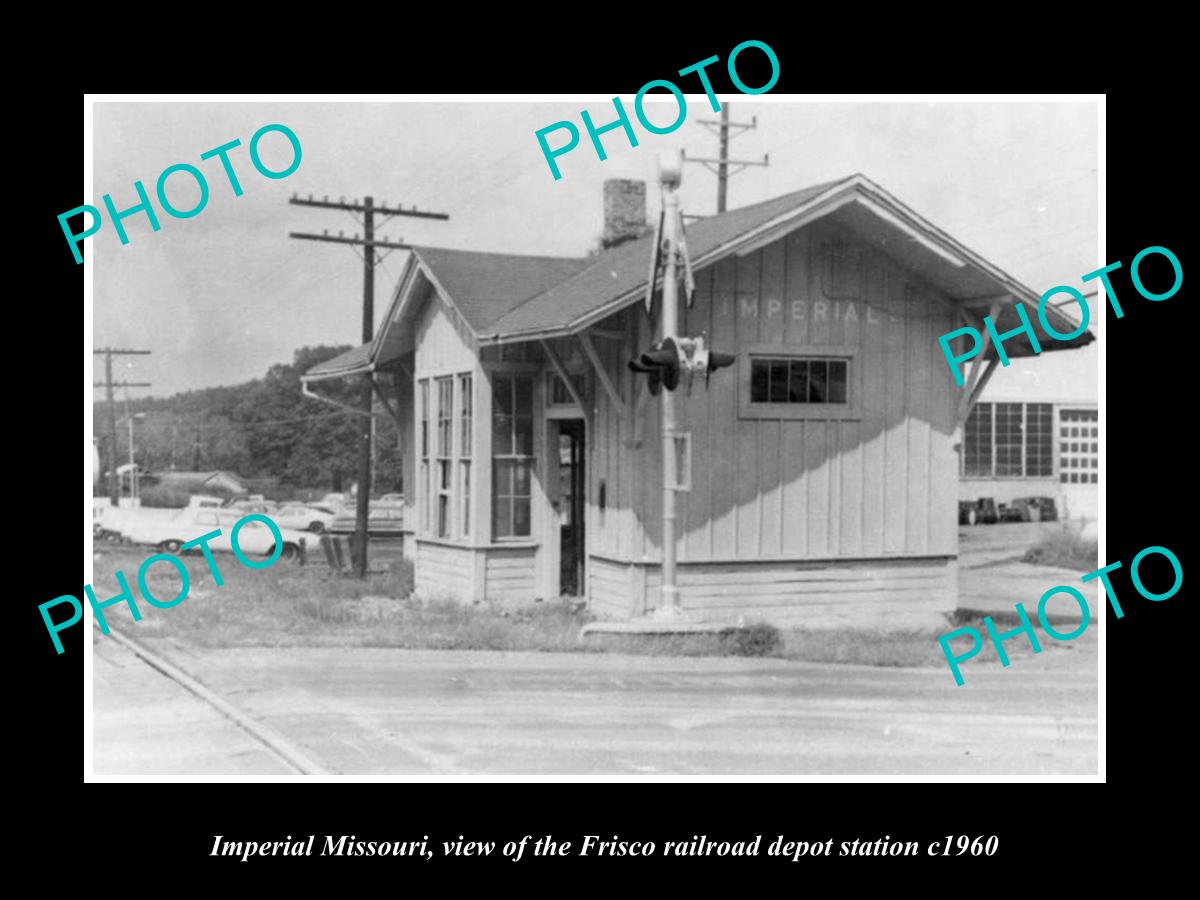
(1079,446)
(1009,440)
(512,454)
(466,408)
(798,380)
(445,449)
(977,442)
(425,486)
(1039,440)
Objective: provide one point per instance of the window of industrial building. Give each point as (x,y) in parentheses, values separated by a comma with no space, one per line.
(977,442)
(1009,440)
(445,449)
(1078,448)
(798,380)
(512,454)
(466,408)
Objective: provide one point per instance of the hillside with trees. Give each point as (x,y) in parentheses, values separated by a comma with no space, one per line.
(265,428)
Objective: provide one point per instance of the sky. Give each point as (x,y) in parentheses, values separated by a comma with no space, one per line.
(221,296)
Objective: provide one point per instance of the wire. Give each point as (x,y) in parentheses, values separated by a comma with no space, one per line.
(236,423)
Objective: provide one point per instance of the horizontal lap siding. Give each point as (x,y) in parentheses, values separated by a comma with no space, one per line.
(859,594)
(442,570)
(609,588)
(510,576)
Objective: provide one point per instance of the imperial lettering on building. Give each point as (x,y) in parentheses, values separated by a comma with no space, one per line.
(824,470)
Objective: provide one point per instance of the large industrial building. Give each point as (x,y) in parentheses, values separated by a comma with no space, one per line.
(1035,432)
(823,483)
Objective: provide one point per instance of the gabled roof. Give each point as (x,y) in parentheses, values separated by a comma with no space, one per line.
(505,298)
(486,286)
(355,360)
(626,267)
(618,278)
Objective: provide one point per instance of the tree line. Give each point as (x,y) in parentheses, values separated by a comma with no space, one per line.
(264,428)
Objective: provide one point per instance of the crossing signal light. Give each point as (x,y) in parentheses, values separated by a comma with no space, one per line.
(661,364)
(718,361)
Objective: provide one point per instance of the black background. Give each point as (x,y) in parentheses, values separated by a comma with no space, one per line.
(135,829)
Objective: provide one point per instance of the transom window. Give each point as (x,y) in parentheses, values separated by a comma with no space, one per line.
(799,380)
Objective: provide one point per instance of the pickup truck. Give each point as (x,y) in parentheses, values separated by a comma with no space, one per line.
(254,538)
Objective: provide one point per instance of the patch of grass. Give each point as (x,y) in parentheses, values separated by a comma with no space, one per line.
(291,605)
(759,639)
(309,606)
(1065,547)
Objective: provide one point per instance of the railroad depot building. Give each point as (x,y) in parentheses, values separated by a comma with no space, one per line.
(824,464)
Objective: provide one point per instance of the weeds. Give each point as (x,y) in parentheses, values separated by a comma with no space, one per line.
(308,606)
(1065,548)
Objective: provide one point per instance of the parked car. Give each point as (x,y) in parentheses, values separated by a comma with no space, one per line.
(392,498)
(382,521)
(976,512)
(205,502)
(255,503)
(1031,509)
(254,538)
(335,501)
(303,518)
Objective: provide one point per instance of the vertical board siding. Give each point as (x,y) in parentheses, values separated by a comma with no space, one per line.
(879,485)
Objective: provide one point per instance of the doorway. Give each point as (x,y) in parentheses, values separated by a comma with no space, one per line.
(571,512)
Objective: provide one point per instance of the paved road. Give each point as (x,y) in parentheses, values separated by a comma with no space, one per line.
(145,723)
(397,712)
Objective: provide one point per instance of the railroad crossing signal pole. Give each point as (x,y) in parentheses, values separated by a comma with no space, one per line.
(669,175)
(369,245)
(108,384)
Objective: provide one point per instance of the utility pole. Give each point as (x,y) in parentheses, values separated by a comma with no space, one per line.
(722,163)
(368,209)
(108,384)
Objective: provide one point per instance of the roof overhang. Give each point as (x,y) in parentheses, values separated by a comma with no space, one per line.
(858,203)
(385,349)
(356,361)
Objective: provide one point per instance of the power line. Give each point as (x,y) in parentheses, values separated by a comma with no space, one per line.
(108,384)
(237,423)
(368,242)
(722,162)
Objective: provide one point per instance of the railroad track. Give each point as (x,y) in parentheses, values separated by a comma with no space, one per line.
(275,743)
